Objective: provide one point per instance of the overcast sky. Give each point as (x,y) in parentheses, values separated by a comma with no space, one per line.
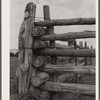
(59,9)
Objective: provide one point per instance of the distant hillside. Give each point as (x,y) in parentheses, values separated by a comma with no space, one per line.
(14,51)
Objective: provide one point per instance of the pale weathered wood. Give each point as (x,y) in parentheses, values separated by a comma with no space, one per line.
(38,44)
(67,52)
(50,30)
(39,79)
(68,36)
(75,46)
(74,21)
(66,87)
(38,31)
(26,55)
(85,57)
(39,61)
(69,69)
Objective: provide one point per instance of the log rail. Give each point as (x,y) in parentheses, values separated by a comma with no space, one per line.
(69,69)
(67,52)
(66,87)
(59,22)
(33,71)
(68,36)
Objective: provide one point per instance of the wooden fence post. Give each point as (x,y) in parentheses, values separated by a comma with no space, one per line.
(90,57)
(50,30)
(75,46)
(77,75)
(26,55)
(86,57)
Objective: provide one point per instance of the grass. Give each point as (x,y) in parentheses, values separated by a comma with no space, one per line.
(13,79)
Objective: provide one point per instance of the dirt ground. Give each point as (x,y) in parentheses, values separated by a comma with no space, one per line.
(84,79)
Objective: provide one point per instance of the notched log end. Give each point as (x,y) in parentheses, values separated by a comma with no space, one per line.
(38,44)
(39,79)
(38,31)
(24,67)
(30,8)
(39,61)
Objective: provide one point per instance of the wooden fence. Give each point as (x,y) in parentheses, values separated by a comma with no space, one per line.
(37,42)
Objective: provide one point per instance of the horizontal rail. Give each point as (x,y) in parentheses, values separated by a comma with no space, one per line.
(66,87)
(68,36)
(38,44)
(74,21)
(69,68)
(67,52)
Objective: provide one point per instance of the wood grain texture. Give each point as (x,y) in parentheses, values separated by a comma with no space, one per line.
(69,68)
(50,30)
(38,31)
(39,79)
(68,36)
(61,22)
(67,52)
(26,55)
(66,87)
(39,61)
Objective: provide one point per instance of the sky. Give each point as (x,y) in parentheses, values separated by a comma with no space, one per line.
(59,9)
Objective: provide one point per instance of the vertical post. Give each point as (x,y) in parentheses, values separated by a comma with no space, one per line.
(50,30)
(25,59)
(90,57)
(77,75)
(75,46)
(86,57)
(91,47)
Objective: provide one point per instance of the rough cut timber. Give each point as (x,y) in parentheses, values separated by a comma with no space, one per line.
(38,31)
(50,31)
(39,61)
(67,52)
(66,87)
(86,57)
(68,36)
(26,55)
(38,44)
(74,21)
(39,79)
(69,69)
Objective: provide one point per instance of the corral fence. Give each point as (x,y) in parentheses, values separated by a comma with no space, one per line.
(37,78)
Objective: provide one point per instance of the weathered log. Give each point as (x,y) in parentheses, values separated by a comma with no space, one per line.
(50,30)
(38,31)
(69,68)
(66,87)
(39,79)
(86,57)
(26,55)
(74,21)
(66,52)
(39,61)
(38,44)
(75,46)
(68,36)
